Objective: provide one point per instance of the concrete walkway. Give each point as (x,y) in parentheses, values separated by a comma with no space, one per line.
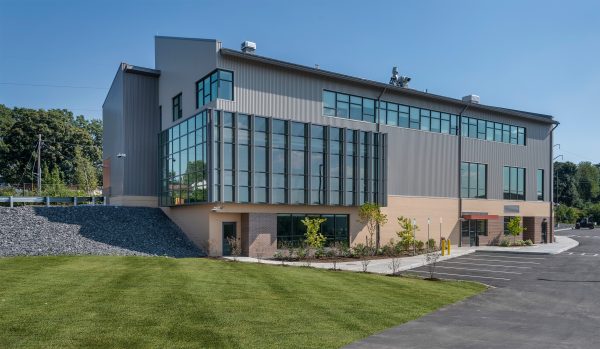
(384,266)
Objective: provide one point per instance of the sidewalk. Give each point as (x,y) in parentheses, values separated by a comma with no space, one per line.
(383,266)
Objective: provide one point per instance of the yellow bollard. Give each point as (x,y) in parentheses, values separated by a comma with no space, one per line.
(448,247)
(443,246)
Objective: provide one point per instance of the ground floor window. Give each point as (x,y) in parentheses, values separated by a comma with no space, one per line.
(290,229)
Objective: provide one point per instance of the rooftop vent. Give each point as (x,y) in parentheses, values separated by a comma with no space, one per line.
(248,47)
(471,99)
(397,80)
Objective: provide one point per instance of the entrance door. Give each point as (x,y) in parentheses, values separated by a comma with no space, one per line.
(469,233)
(229,231)
(545,231)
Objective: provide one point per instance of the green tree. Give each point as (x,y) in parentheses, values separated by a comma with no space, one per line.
(61,134)
(53,184)
(515,228)
(565,184)
(588,181)
(85,173)
(407,232)
(313,235)
(371,216)
(566,214)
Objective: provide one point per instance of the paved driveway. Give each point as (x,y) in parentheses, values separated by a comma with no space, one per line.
(537,301)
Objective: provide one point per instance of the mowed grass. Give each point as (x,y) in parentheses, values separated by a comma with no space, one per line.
(141,302)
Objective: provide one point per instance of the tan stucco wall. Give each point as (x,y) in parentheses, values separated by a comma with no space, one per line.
(422,208)
(496,207)
(204,226)
(133,201)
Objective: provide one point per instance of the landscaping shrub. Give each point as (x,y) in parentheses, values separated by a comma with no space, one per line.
(431,244)
(528,242)
(505,242)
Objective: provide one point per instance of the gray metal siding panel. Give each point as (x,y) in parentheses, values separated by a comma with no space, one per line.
(419,163)
(182,63)
(113,141)
(141,127)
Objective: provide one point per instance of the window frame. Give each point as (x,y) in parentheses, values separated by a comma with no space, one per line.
(179,98)
(208,77)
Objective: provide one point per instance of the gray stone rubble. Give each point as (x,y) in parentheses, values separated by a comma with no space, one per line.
(91,230)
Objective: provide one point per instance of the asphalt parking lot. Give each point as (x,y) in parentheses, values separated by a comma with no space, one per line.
(535,301)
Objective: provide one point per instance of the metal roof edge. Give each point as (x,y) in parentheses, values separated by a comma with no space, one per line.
(512,112)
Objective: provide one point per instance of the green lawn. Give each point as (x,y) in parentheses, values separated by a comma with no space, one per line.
(138,302)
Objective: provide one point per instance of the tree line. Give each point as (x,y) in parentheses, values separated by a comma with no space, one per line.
(71,151)
(577,191)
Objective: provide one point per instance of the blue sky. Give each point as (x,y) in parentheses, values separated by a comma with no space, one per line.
(540,56)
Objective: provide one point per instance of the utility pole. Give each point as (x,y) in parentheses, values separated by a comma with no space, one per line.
(39,165)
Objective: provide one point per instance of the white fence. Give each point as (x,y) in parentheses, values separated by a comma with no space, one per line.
(48,200)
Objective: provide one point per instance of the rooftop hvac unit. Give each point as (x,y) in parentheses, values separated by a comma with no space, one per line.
(471,99)
(248,47)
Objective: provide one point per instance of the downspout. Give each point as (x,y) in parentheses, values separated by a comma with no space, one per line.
(377,128)
(550,238)
(459,134)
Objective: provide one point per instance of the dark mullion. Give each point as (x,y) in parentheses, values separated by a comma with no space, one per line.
(326,166)
(356,167)
(343,165)
(210,124)
(270,160)
(307,163)
(236,157)
(288,156)
(221,158)
(251,151)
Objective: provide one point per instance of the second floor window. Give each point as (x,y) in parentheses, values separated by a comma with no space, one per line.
(177,112)
(514,183)
(473,180)
(540,184)
(218,84)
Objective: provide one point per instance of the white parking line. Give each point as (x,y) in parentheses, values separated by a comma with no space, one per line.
(570,253)
(494,255)
(468,276)
(496,260)
(595,255)
(487,265)
(583,254)
(489,271)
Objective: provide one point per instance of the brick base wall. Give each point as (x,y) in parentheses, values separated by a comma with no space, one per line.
(259,234)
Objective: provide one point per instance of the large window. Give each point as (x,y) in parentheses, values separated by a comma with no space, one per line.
(290,230)
(280,161)
(218,84)
(492,131)
(255,159)
(514,183)
(539,175)
(473,180)
(393,114)
(348,106)
(183,162)
(317,164)
(261,159)
(229,148)
(177,111)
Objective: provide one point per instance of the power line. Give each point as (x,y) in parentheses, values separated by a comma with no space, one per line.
(52,85)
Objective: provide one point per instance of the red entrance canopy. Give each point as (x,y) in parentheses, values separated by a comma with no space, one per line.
(480,216)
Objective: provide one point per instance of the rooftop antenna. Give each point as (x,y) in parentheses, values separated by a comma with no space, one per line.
(398,80)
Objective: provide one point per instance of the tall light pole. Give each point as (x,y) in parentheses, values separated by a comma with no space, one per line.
(441,232)
(39,165)
(428,224)
(414,223)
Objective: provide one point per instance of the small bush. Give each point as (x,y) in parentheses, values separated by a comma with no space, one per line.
(431,244)
(278,255)
(419,245)
(505,242)
(519,243)
(528,242)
